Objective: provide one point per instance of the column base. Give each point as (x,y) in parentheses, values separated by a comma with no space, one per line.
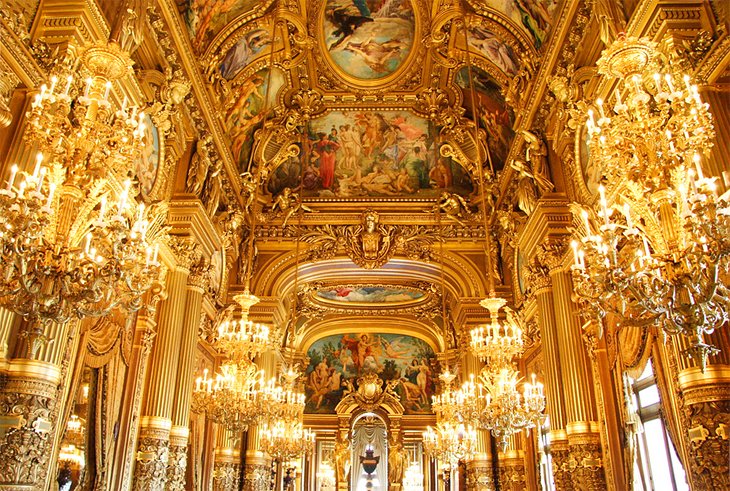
(511,469)
(560,455)
(153,455)
(585,459)
(227,469)
(480,476)
(28,399)
(256,477)
(177,462)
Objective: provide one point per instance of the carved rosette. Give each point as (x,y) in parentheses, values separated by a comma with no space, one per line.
(256,477)
(26,405)
(709,433)
(480,477)
(511,473)
(150,473)
(176,465)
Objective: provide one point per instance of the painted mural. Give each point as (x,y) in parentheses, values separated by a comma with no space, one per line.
(493,113)
(244,110)
(369,39)
(534,16)
(335,363)
(494,49)
(370,294)
(252,45)
(589,167)
(205,18)
(149,161)
(371,154)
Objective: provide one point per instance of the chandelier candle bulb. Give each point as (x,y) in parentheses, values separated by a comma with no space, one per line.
(698,166)
(627,214)
(54,80)
(69,81)
(51,191)
(11,180)
(87,89)
(38,160)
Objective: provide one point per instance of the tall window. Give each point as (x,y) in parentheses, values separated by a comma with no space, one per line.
(656,466)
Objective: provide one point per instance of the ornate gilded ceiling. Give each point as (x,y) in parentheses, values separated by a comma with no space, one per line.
(372,84)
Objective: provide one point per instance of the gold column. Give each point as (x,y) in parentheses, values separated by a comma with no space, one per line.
(511,465)
(150,472)
(540,281)
(177,463)
(480,471)
(581,425)
(257,466)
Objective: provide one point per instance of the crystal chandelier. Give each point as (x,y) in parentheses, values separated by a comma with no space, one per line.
(452,440)
(659,260)
(241,340)
(493,402)
(499,406)
(74,240)
(233,399)
(496,343)
(284,403)
(285,440)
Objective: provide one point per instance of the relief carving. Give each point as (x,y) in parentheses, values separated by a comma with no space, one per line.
(708,425)
(150,473)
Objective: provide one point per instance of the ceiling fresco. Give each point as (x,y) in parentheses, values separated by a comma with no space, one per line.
(370,295)
(380,79)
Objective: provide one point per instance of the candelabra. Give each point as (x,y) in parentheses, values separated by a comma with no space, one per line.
(285,440)
(658,261)
(74,240)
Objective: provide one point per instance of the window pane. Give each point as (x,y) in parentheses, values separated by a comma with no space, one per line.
(649,396)
(679,475)
(657,455)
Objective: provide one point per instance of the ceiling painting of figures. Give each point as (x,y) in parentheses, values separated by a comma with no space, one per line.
(205,18)
(250,46)
(369,39)
(370,295)
(244,110)
(371,154)
(534,16)
(336,362)
(492,112)
(487,44)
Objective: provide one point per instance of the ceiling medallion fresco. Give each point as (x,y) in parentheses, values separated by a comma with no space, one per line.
(336,362)
(536,17)
(251,46)
(368,39)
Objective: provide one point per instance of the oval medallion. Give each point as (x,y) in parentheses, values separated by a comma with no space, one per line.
(369,39)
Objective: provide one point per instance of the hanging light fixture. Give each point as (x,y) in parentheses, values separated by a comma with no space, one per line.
(659,260)
(74,241)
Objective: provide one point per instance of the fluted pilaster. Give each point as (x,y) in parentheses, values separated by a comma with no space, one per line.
(153,455)
(177,464)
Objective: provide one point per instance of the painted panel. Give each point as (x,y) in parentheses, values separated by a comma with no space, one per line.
(493,113)
(205,18)
(368,39)
(337,361)
(149,162)
(244,110)
(494,49)
(252,45)
(534,16)
(370,294)
(371,154)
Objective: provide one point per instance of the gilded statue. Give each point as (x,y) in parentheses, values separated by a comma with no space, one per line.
(287,203)
(342,461)
(199,166)
(397,457)
(454,206)
(526,192)
(536,155)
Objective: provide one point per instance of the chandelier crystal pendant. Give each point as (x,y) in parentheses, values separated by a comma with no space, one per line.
(74,240)
(659,260)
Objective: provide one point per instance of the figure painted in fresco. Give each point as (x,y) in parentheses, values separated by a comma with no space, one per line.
(325,149)
(494,49)
(251,45)
(337,361)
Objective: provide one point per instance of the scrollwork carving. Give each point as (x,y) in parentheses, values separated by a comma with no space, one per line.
(150,473)
(176,465)
(708,430)
(256,477)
